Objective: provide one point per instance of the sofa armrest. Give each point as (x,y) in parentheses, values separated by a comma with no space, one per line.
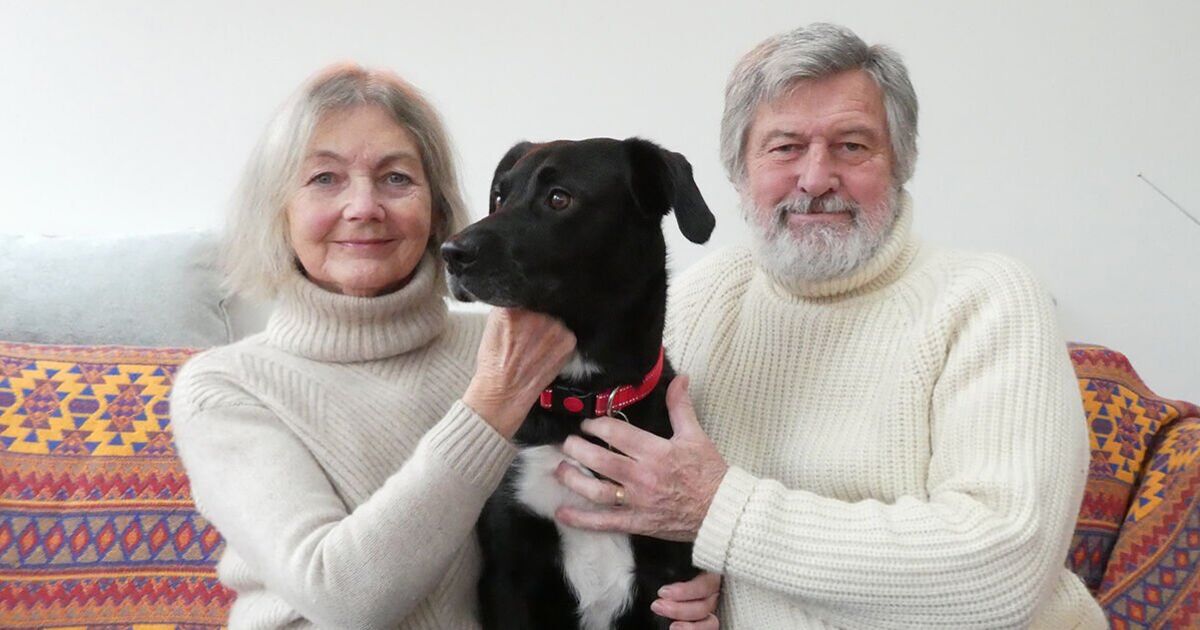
(1152,578)
(1123,417)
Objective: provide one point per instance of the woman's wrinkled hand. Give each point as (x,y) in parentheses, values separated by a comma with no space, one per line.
(520,354)
(692,605)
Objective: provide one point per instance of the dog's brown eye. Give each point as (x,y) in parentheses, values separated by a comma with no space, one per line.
(558,199)
(497,199)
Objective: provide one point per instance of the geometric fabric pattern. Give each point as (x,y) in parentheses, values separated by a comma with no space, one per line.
(98,529)
(1137,539)
(1153,576)
(97,524)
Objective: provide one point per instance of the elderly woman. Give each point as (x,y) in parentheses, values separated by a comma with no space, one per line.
(346,451)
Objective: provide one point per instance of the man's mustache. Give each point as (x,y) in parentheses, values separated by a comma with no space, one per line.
(807,204)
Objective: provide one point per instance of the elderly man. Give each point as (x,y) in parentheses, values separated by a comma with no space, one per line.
(897,440)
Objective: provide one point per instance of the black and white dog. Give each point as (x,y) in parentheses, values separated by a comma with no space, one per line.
(575,231)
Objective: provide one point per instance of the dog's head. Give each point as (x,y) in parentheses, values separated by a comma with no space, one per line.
(574,224)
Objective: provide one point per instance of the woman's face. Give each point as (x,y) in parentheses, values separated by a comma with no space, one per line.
(360,220)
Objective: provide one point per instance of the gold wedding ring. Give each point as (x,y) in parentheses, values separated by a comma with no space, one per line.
(620,499)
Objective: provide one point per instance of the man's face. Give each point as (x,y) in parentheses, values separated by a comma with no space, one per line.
(819,191)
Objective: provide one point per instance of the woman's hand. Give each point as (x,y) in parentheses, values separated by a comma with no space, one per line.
(520,354)
(692,604)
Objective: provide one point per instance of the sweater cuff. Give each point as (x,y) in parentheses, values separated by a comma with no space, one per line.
(711,549)
(463,441)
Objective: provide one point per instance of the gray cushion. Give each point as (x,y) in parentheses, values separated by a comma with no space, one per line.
(161,290)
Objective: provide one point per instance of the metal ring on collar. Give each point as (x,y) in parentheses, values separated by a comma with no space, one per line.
(609,407)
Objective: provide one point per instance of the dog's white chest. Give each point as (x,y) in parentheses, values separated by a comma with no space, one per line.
(598,565)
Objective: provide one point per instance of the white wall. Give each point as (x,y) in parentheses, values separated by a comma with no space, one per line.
(124,117)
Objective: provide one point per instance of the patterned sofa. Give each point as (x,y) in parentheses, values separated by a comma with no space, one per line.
(97,528)
(1137,540)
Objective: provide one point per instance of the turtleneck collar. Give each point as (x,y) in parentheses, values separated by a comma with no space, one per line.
(887,264)
(317,324)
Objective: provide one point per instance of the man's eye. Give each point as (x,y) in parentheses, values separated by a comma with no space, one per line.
(854,147)
(786,148)
(558,199)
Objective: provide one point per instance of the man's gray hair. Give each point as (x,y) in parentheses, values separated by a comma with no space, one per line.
(257,256)
(813,52)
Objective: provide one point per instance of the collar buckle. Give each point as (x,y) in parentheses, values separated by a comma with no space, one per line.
(569,401)
(583,404)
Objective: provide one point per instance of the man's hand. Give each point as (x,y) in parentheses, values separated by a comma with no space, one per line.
(662,488)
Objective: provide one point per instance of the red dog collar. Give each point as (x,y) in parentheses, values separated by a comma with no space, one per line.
(595,404)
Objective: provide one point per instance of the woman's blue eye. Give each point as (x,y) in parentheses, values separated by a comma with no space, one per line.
(323,179)
(398,179)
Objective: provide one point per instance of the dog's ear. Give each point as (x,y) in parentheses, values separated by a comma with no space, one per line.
(662,181)
(514,154)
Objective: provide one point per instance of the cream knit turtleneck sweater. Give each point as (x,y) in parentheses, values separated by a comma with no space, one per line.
(331,453)
(907,444)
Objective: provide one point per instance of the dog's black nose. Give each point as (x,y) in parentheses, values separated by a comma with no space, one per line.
(459,254)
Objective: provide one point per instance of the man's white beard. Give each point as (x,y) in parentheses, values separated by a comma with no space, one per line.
(824,251)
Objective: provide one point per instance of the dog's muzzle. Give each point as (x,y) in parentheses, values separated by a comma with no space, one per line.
(459,256)
(474,274)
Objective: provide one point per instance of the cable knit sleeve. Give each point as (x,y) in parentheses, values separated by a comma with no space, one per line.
(1005,477)
(271,500)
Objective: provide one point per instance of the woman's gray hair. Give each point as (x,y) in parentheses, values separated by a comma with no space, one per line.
(812,52)
(257,256)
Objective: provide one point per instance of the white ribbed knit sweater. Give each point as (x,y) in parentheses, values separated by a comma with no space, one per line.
(333,455)
(907,445)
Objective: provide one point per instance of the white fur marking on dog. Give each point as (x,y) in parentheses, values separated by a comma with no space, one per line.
(598,565)
(579,368)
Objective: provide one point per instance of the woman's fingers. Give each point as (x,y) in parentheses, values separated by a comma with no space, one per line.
(520,354)
(692,604)
(703,585)
(694,610)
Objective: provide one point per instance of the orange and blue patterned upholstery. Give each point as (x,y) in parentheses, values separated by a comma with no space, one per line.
(1137,540)
(98,530)
(97,526)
